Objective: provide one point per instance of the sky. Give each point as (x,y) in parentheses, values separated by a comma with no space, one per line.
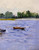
(19,6)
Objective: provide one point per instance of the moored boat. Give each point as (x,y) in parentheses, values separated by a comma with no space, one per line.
(2,30)
(22,28)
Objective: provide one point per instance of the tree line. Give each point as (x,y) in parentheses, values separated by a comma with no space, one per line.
(26,14)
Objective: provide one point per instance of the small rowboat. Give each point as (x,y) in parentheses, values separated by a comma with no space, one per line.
(1,30)
(22,28)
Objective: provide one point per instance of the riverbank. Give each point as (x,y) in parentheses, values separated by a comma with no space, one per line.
(21,19)
(28,19)
(8,19)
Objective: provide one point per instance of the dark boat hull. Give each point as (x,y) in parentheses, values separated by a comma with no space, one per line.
(22,28)
(1,30)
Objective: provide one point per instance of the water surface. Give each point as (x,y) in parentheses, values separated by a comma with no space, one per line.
(27,39)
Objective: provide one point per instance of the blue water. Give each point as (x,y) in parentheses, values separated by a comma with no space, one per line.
(27,39)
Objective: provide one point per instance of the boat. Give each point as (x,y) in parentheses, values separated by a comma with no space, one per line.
(2,30)
(22,28)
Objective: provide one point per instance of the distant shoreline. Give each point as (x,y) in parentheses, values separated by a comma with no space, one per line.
(21,19)
(28,19)
(8,19)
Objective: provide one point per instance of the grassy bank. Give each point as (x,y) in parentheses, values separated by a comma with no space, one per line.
(20,19)
(8,19)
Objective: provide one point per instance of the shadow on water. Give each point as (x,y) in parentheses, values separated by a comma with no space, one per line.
(2,33)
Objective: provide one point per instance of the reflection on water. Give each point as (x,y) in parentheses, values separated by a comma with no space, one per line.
(27,39)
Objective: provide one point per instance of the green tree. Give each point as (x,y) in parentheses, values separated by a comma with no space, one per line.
(23,15)
(1,15)
(19,14)
(8,14)
(28,14)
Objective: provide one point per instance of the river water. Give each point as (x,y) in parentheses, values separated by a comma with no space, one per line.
(27,39)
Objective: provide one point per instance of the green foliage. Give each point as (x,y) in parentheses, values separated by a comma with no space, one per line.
(8,14)
(1,15)
(19,14)
(26,14)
